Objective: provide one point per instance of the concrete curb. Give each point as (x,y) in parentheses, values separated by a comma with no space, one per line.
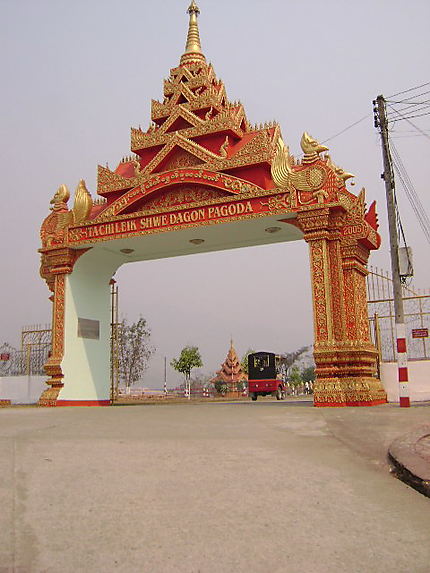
(410,457)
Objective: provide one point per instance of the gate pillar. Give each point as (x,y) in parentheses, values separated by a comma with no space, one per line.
(56,265)
(78,365)
(344,356)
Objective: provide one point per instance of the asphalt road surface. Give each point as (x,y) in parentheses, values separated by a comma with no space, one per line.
(208,488)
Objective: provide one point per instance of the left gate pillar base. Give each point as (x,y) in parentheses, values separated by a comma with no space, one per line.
(49,397)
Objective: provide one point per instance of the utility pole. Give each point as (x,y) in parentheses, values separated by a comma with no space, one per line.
(380,117)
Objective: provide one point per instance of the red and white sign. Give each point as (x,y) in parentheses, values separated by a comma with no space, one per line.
(5,356)
(420,332)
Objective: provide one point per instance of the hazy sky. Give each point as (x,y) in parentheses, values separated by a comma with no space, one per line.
(77,75)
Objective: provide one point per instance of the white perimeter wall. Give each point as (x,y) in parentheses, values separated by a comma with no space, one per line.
(419,380)
(22,389)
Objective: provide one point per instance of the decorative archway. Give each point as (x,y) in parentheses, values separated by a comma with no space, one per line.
(202,178)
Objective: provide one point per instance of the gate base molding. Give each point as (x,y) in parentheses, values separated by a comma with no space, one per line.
(49,399)
(338,392)
(346,375)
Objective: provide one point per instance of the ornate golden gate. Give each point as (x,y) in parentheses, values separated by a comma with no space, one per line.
(202,178)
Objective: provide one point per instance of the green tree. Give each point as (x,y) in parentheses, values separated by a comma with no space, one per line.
(295,378)
(221,387)
(135,350)
(189,358)
(308,374)
(244,361)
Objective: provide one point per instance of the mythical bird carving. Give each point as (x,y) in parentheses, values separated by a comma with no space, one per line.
(341,173)
(310,179)
(52,230)
(311,148)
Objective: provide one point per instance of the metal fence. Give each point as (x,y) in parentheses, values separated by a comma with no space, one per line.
(381,313)
(31,357)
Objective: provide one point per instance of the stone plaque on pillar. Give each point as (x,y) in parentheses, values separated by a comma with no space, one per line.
(88,328)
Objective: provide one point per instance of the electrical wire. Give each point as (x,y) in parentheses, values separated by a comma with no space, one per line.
(406,136)
(411,194)
(410,90)
(410,104)
(411,189)
(414,130)
(401,233)
(411,116)
(410,122)
(412,109)
(346,128)
(408,99)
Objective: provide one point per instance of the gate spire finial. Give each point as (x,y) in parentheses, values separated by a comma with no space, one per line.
(193,49)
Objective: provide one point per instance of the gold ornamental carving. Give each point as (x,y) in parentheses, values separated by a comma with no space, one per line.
(310,179)
(53,227)
(200,162)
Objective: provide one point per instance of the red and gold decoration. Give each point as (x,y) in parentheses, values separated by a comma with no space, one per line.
(200,162)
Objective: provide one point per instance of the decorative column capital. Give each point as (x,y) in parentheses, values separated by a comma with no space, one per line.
(355,256)
(56,262)
(321,223)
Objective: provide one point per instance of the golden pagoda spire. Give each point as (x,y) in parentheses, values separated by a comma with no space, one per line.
(193,50)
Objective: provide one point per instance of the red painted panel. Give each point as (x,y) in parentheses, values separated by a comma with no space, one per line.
(401,345)
(403,374)
(263,385)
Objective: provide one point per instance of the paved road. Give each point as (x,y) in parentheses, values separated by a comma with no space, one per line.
(208,488)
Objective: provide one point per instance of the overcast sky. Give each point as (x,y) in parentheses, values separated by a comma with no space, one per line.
(77,75)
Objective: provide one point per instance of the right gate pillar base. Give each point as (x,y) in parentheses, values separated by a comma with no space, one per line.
(341,392)
(345,376)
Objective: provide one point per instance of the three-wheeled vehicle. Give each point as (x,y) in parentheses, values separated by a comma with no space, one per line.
(264,376)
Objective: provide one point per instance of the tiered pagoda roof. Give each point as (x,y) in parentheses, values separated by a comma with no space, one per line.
(231,370)
(200,150)
(195,125)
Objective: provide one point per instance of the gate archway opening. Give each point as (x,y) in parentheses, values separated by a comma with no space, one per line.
(202,177)
(257,296)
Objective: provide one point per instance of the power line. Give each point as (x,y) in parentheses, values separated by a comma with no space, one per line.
(409,131)
(407,136)
(410,116)
(413,109)
(408,186)
(410,123)
(410,90)
(408,99)
(410,104)
(346,128)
